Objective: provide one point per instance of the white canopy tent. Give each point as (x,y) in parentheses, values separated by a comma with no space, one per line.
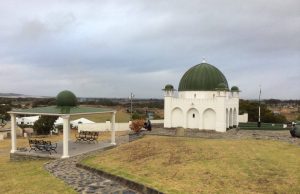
(75,123)
(81,121)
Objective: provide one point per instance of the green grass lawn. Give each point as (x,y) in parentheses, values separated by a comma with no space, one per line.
(192,165)
(30,176)
(264,126)
(27,176)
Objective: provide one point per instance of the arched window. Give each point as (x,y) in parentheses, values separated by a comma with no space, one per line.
(193,115)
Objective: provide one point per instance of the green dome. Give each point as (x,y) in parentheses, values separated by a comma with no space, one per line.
(235,89)
(202,77)
(66,98)
(169,87)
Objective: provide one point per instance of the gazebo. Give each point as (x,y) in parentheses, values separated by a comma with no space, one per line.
(66,107)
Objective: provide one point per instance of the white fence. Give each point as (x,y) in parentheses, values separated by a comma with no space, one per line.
(243,118)
(103,126)
(107,126)
(157,121)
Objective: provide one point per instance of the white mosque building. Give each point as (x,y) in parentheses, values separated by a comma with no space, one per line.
(204,101)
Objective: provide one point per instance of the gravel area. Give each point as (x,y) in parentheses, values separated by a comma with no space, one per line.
(279,135)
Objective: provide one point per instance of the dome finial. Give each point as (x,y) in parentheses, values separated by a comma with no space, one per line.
(203,60)
(66,98)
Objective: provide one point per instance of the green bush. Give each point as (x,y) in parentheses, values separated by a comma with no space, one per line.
(136,116)
(251,107)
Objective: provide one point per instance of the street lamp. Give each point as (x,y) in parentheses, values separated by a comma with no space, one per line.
(259,122)
(131,97)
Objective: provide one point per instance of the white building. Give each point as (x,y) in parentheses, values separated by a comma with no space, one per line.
(203,101)
(27,120)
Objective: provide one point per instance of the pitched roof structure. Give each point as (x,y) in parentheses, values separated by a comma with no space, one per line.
(60,111)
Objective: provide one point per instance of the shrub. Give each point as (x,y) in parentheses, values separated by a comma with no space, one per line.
(137,125)
(137,116)
(44,125)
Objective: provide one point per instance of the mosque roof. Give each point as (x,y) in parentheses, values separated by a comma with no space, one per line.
(202,77)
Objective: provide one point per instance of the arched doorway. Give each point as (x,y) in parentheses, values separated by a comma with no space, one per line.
(209,119)
(177,118)
(230,118)
(234,118)
(193,118)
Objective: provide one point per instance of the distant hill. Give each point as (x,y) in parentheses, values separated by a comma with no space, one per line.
(15,95)
(11,95)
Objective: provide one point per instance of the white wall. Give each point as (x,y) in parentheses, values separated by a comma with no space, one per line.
(103,126)
(197,94)
(243,118)
(107,126)
(177,110)
(161,121)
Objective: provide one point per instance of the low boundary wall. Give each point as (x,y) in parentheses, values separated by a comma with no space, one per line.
(107,126)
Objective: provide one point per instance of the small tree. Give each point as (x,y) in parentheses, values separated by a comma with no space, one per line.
(44,125)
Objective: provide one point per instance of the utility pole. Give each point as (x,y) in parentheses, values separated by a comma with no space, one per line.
(131,97)
(259,122)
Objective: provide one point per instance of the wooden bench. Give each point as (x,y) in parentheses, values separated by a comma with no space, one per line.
(42,145)
(87,136)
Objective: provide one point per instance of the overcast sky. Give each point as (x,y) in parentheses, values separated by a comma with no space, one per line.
(111,48)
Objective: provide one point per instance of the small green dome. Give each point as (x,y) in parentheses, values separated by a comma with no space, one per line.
(202,77)
(221,86)
(66,98)
(169,87)
(235,89)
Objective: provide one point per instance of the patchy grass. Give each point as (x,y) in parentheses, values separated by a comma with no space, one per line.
(26,176)
(192,165)
(30,176)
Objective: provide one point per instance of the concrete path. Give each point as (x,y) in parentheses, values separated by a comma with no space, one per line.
(84,181)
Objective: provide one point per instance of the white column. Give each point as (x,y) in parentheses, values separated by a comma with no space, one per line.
(66,129)
(167,111)
(13,133)
(113,135)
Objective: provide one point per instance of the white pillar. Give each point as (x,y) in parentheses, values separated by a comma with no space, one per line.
(113,135)
(66,129)
(13,133)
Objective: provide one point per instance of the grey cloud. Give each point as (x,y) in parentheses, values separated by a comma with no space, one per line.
(109,45)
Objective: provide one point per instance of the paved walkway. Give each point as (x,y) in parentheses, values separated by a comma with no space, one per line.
(84,181)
